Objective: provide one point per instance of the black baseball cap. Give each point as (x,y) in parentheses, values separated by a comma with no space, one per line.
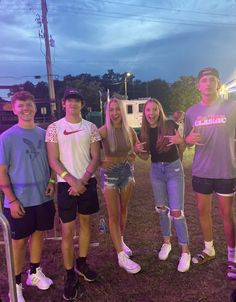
(208,71)
(71,93)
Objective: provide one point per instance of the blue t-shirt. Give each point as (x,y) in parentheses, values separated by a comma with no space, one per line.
(24,152)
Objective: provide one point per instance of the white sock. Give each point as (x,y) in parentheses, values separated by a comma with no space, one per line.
(209,248)
(231,254)
(122,239)
(120,254)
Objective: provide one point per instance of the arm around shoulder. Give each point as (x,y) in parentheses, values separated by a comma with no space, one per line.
(103,131)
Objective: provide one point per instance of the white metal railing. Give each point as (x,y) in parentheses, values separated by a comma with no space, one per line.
(9,257)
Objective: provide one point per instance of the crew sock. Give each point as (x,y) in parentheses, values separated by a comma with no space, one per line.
(18,279)
(209,248)
(33,267)
(231,254)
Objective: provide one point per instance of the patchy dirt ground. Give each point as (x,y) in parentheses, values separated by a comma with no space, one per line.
(158,281)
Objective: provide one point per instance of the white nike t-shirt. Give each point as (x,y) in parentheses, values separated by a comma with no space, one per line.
(74,142)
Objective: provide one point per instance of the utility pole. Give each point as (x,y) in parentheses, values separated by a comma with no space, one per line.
(48,58)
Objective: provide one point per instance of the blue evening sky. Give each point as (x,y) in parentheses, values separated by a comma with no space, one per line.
(150,38)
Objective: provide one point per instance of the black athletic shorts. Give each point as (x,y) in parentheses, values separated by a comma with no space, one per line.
(86,203)
(210,185)
(36,218)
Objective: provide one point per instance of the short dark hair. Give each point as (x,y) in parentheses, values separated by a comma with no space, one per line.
(22,96)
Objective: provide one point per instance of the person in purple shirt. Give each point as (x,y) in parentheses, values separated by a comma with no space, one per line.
(210,126)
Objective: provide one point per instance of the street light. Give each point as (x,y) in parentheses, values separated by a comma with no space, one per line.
(127,75)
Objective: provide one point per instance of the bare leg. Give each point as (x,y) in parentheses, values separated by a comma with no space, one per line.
(67,245)
(84,235)
(204,206)
(113,208)
(36,246)
(226,213)
(19,251)
(125,196)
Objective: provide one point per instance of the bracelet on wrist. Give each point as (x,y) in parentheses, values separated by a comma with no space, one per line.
(63,174)
(88,172)
(52,181)
(10,202)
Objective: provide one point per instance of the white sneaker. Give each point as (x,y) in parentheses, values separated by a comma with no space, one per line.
(164,251)
(126,249)
(38,279)
(19,294)
(184,262)
(129,265)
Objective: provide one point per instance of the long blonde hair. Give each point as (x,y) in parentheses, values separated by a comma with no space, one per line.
(163,128)
(124,125)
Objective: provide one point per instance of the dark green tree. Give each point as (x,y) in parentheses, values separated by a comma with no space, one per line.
(89,87)
(112,81)
(160,90)
(183,93)
(28,86)
(41,91)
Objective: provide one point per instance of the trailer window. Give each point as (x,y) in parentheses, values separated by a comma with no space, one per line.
(140,107)
(129,109)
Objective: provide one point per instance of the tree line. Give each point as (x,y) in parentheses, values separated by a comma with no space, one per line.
(176,96)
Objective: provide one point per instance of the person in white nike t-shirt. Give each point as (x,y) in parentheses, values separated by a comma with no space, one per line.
(74,153)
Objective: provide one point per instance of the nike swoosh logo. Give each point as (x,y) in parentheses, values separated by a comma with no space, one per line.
(70,132)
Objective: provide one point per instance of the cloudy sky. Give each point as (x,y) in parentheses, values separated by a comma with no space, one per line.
(150,38)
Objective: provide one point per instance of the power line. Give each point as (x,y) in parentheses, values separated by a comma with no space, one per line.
(58,6)
(121,15)
(170,9)
(26,76)
(116,15)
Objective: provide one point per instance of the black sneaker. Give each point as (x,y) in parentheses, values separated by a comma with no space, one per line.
(72,289)
(83,270)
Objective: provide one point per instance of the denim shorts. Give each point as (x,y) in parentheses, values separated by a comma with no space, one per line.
(118,176)
(167,179)
(210,185)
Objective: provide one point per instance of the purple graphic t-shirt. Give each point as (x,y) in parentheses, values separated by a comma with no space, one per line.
(215,156)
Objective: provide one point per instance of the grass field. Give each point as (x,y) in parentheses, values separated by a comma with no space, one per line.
(158,281)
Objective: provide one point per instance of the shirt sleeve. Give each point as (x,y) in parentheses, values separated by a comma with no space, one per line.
(172,125)
(176,126)
(95,136)
(51,134)
(4,153)
(187,125)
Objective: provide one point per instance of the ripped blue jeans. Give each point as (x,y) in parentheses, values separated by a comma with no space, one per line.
(167,179)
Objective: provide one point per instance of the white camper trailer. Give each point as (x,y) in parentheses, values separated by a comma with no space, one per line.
(134,111)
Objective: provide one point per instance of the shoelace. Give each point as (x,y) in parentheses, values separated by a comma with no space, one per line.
(36,277)
(126,259)
(41,273)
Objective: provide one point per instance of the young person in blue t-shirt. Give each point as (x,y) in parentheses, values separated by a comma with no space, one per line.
(28,188)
